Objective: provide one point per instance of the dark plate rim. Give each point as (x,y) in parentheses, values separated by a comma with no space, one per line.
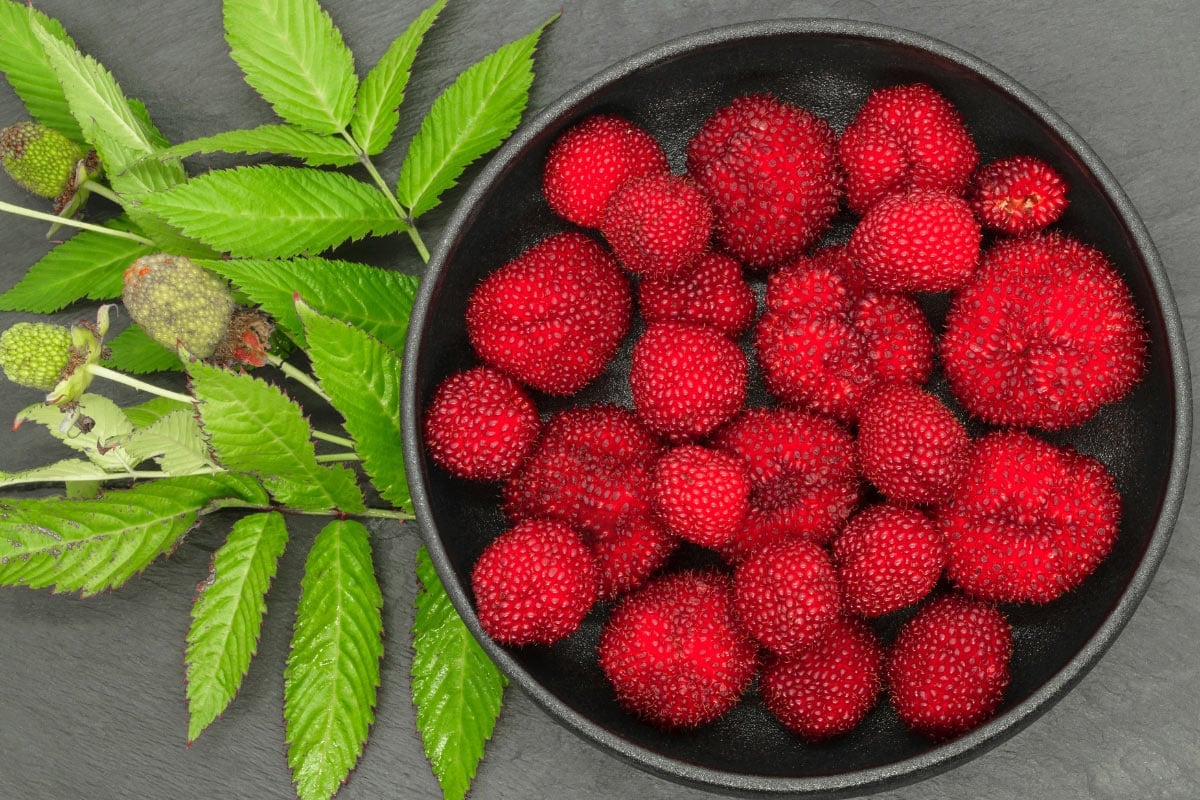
(940,757)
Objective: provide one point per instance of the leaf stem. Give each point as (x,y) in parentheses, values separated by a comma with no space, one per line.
(298,375)
(401,212)
(21,211)
(120,377)
(374,513)
(329,437)
(102,190)
(333,457)
(418,242)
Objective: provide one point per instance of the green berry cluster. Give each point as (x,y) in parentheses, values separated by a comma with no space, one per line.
(39,158)
(34,354)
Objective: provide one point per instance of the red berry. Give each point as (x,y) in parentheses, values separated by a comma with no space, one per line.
(1030,521)
(827,689)
(770,171)
(1044,336)
(480,424)
(592,470)
(589,162)
(1018,195)
(948,668)
(687,380)
(702,495)
(658,225)
(802,472)
(924,241)
(888,558)
(553,317)
(786,595)
(826,339)
(674,653)
(534,584)
(905,138)
(712,293)
(910,445)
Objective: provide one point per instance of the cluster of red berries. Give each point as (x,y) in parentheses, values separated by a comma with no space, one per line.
(1041,333)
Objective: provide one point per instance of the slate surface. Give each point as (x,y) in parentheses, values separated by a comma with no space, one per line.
(91,692)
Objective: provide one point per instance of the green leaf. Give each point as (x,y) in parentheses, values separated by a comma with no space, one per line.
(156,174)
(376,113)
(88,265)
(134,351)
(93,545)
(293,55)
(65,471)
(24,62)
(153,409)
(269,211)
(332,672)
(252,426)
(472,116)
(227,616)
(456,688)
(377,300)
(286,140)
(152,132)
(362,378)
(175,441)
(108,423)
(98,104)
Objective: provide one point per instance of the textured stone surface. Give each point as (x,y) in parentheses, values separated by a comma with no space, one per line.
(91,692)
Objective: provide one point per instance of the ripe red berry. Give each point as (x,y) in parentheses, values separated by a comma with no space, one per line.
(480,424)
(887,558)
(658,225)
(553,317)
(592,469)
(910,445)
(827,689)
(702,495)
(1030,521)
(674,653)
(924,241)
(1018,195)
(1045,336)
(590,161)
(534,584)
(804,481)
(713,293)
(786,595)
(905,138)
(687,380)
(770,171)
(948,668)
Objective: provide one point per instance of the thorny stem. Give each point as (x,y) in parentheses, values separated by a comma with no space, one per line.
(405,216)
(374,513)
(298,375)
(120,377)
(21,211)
(102,190)
(329,437)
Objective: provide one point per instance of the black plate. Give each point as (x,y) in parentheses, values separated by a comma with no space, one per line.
(828,66)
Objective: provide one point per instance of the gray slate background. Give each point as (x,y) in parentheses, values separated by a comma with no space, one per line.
(91,692)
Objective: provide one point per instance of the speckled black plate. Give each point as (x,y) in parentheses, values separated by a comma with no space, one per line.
(828,66)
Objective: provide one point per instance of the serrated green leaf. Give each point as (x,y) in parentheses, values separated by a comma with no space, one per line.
(153,409)
(362,378)
(376,113)
(471,117)
(269,211)
(293,55)
(252,426)
(88,265)
(152,132)
(377,300)
(24,63)
(456,688)
(174,441)
(155,174)
(285,140)
(93,545)
(66,471)
(332,672)
(109,423)
(98,104)
(134,351)
(227,616)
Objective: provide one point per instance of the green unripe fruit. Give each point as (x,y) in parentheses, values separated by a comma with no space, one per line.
(179,304)
(39,158)
(34,354)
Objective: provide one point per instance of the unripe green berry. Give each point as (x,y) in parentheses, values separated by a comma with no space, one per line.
(39,158)
(34,354)
(178,303)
